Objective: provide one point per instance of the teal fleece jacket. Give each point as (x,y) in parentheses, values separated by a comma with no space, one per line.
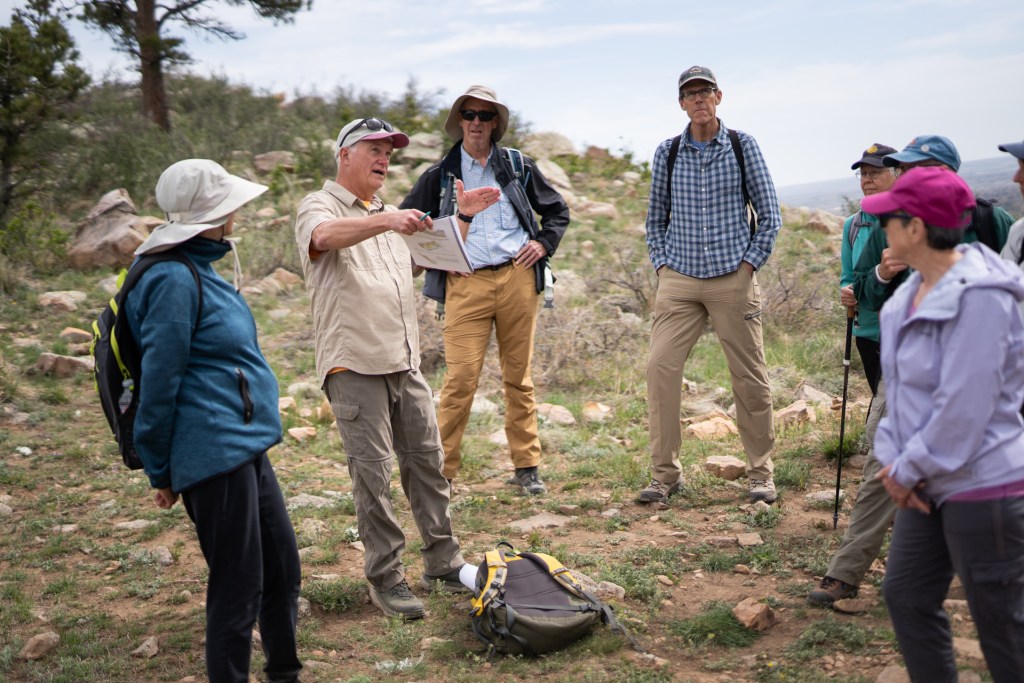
(208,399)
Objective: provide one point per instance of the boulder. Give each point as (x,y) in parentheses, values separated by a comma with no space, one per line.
(796,413)
(39,645)
(595,412)
(824,222)
(589,209)
(712,428)
(544,520)
(812,395)
(754,614)
(74,335)
(148,649)
(556,414)
(545,145)
(63,366)
(269,161)
(725,467)
(555,174)
(422,147)
(109,234)
(66,300)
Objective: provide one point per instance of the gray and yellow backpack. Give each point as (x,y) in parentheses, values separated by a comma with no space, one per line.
(529,604)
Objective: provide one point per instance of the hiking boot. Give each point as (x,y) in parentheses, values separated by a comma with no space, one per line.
(449,583)
(657,492)
(529,480)
(762,489)
(830,591)
(398,601)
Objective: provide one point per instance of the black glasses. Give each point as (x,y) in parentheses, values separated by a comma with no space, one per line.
(484,116)
(703,93)
(884,218)
(372,125)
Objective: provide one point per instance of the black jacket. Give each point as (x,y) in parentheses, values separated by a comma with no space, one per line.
(435,192)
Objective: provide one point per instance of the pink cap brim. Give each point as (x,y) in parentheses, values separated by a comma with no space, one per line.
(400,140)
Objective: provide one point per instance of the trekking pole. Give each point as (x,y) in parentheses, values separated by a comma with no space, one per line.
(842,413)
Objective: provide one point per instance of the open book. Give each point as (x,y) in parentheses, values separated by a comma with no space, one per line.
(441,248)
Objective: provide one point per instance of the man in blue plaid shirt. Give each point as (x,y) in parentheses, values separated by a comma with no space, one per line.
(706,256)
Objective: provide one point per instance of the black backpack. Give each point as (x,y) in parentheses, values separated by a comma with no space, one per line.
(118,362)
(529,604)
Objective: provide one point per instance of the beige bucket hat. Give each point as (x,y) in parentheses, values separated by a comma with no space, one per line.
(480,92)
(196,195)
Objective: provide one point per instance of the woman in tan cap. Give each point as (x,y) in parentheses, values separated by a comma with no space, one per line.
(207,414)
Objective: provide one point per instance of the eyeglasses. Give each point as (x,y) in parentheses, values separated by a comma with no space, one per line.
(873,173)
(372,125)
(703,93)
(884,218)
(484,116)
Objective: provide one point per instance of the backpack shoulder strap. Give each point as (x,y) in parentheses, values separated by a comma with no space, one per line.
(673,152)
(564,577)
(128,357)
(734,138)
(515,158)
(984,223)
(497,572)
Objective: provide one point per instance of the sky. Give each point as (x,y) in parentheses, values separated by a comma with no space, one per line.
(814,81)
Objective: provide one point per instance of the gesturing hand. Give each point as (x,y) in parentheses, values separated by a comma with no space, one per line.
(472,202)
(408,221)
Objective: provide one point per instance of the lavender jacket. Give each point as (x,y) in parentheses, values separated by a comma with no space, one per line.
(954,379)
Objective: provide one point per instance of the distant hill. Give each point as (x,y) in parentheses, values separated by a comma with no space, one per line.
(990,178)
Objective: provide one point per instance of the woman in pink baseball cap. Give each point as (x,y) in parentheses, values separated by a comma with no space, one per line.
(952,444)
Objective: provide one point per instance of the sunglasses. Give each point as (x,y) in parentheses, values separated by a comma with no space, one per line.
(372,125)
(484,116)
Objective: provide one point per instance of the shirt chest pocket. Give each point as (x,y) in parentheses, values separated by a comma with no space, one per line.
(365,256)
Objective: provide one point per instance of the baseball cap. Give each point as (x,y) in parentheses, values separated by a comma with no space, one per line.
(1014,148)
(697,73)
(371,129)
(872,156)
(925,147)
(936,195)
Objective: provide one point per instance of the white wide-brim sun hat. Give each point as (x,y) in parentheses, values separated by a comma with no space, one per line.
(196,195)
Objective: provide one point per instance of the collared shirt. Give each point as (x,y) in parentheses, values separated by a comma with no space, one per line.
(364,311)
(495,235)
(707,234)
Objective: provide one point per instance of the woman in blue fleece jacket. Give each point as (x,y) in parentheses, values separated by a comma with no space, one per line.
(207,415)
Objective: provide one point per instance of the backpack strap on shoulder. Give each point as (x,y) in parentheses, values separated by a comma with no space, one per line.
(734,138)
(515,159)
(984,223)
(673,152)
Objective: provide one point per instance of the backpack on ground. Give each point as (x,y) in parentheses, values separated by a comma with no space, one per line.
(529,604)
(118,362)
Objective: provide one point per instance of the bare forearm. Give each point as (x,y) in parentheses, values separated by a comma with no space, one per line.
(340,233)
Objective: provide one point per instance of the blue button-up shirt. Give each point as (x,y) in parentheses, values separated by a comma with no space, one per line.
(495,235)
(707,234)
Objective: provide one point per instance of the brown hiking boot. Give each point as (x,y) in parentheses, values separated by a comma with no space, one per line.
(657,492)
(830,591)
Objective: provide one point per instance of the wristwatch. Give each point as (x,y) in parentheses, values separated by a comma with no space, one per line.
(464,218)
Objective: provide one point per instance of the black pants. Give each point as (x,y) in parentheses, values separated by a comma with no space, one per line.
(871,359)
(249,545)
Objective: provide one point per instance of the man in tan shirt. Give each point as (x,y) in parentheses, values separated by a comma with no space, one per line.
(359,277)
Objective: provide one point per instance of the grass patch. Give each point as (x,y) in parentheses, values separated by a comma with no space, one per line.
(335,596)
(714,627)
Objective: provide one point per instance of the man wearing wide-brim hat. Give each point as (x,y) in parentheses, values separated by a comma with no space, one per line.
(509,252)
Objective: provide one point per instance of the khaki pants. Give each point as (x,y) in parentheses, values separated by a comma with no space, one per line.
(872,512)
(505,300)
(681,309)
(377,414)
